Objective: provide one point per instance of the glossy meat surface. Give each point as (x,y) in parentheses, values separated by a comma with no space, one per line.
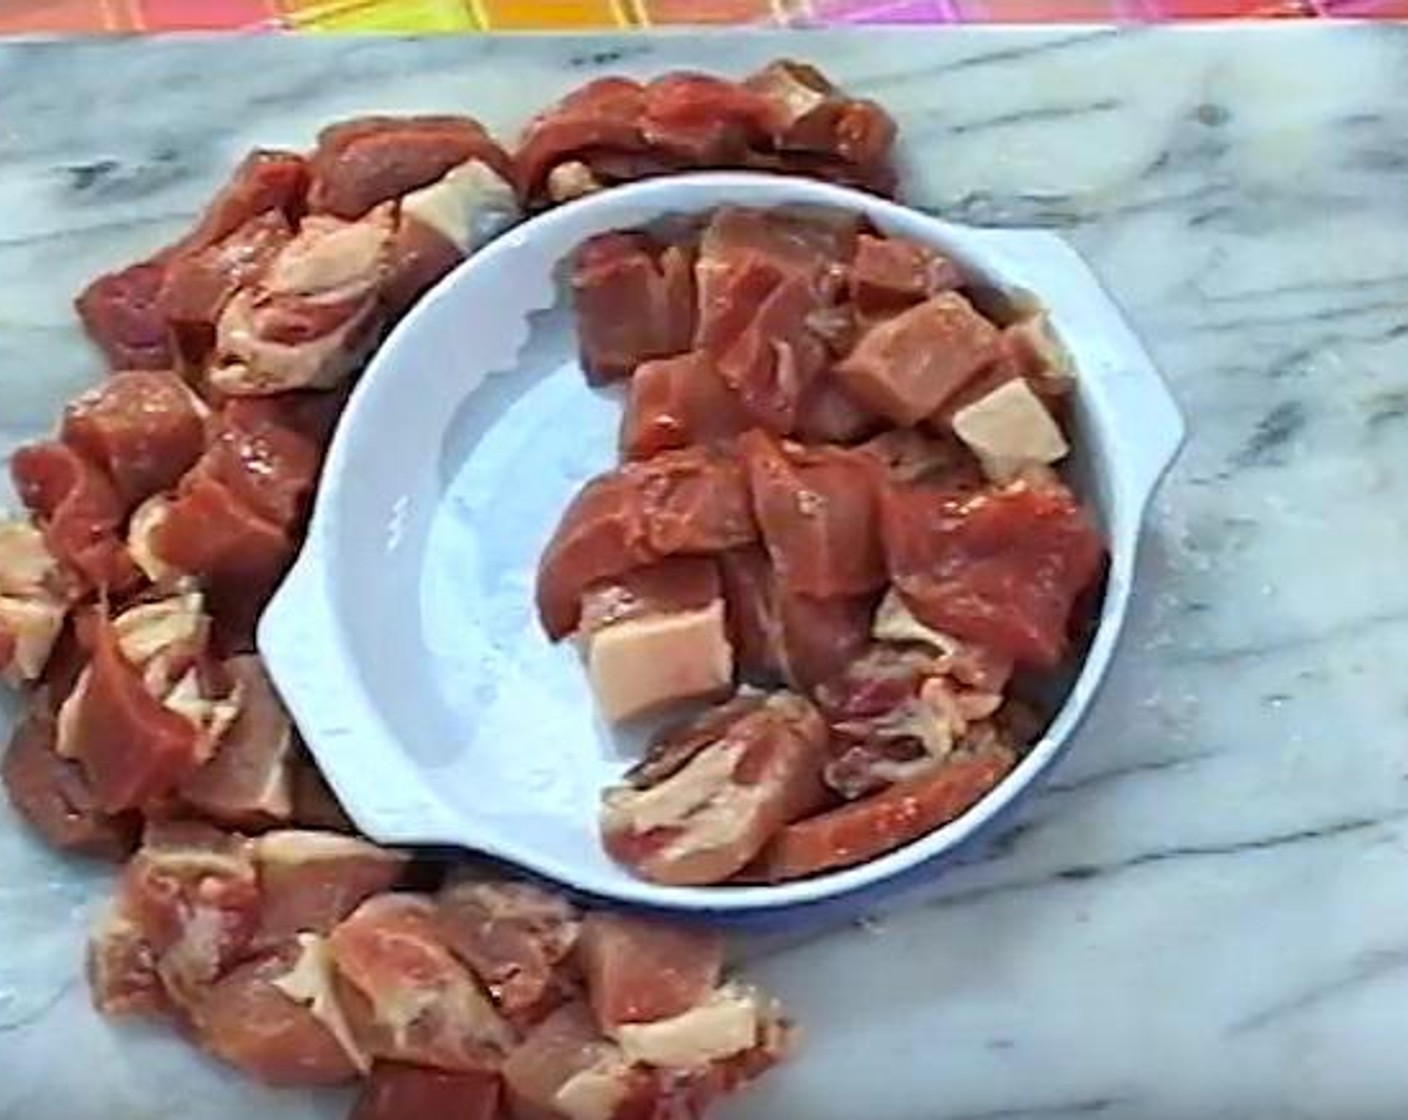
(877,824)
(1002,569)
(402,1092)
(677,402)
(55,797)
(634,300)
(818,512)
(408,998)
(639,970)
(143,430)
(705,815)
(689,502)
(361,163)
(132,747)
(79,510)
(787,117)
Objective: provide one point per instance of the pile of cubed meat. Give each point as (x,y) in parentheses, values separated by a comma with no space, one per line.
(293,956)
(160,517)
(838,491)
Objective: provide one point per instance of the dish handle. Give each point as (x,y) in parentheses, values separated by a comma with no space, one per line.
(300,640)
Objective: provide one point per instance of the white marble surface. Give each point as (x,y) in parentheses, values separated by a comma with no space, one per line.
(1207,913)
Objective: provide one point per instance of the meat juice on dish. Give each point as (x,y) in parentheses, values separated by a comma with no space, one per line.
(857,465)
(173,496)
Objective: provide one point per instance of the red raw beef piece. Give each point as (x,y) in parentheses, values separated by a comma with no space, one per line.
(363,162)
(80,511)
(770,751)
(676,402)
(688,502)
(210,533)
(602,116)
(888,676)
(764,279)
(238,513)
(198,284)
(401,1092)
(564,1044)
(407,997)
(191,890)
(814,244)
(133,749)
(704,120)
(891,273)
(811,115)
(141,427)
(634,300)
(313,316)
(905,367)
(264,180)
(269,465)
(1001,568)
(886,820)
(122,311)
(515,937)
(248,782)
(778,634)
(817,510)
(55,797)
(310,881)
(121,965)
(246,1019)
(897,710)
(639,970)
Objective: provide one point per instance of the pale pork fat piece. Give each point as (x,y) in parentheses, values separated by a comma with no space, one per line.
(1010,430)
(33,604)
(655,637)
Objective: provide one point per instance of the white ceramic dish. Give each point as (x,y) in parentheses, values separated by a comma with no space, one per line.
(405,639)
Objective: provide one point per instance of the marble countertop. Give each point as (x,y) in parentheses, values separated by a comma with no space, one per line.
(1206,913)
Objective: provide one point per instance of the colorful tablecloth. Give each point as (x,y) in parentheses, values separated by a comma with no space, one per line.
(508,15)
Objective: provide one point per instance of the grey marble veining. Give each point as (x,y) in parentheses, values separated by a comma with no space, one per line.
(1206,913)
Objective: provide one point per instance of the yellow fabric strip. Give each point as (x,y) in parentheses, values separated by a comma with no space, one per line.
(551,15)
(376,15)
